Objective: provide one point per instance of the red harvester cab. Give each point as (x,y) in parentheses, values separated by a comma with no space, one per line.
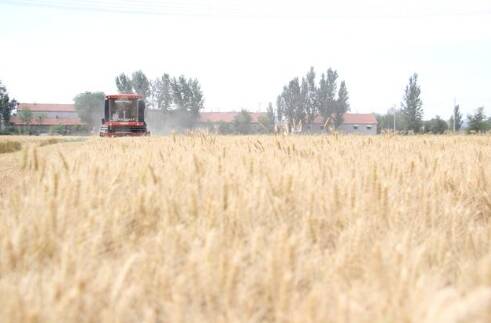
(124,115)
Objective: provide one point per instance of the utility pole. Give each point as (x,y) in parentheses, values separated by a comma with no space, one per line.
(454,105)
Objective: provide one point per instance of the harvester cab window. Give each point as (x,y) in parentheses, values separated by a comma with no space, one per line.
(123,110)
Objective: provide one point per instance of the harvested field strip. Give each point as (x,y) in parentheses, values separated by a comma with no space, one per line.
(9,146)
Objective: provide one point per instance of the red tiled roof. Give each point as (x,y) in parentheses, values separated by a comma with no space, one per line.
(225,116)
(49,121)
(354,118)
(47,107)
(359,118)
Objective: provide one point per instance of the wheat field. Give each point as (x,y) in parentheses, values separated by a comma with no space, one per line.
(203,228)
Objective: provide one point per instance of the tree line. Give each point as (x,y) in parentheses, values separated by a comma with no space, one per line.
(409,118)
(302,101)
(179,99)
(172,101)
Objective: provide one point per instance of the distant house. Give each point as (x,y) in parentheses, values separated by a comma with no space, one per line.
(354,123)
(359,123)
(43,117)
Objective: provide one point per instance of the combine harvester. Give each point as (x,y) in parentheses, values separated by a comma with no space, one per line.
(124,115)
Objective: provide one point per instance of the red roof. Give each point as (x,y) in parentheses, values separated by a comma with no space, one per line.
(48,121)
(359,118)
(226,116)
(124,96)
(47,107)
(355,118)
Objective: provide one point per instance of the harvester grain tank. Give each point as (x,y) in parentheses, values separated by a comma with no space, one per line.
(124,115)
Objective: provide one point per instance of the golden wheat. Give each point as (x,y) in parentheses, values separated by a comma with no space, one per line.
(205,228)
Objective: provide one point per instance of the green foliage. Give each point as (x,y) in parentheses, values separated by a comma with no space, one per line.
(412,105)
(225,128)
(26,116)
(188,99)
(301,102)
(59,130)
(178,99)
(386,121)
(436,126)
(123,83)
(140,84)
(6,107)
(342,104)
(292,102)
(327,96)
(9,130)
(161,93)
(478,122)
(266,121)
(311,100)
(458,119)
(242,122)
(90,107)
(39,117)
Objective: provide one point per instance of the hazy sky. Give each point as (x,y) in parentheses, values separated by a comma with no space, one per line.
(243,52)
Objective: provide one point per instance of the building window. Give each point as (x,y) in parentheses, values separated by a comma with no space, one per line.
(369,127)
(355,127)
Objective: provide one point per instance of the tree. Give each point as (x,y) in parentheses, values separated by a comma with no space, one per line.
(411,105)
(477,121)
(242,122)
(26,117)
(140,84)
(327,94)
(225,128)
(6,106)
(197,98)
(40,117)
(311,103)
(179,99)
(280,108)
(300,103)
(301,109)
(436,126)
(90,107)
(123,83)
(161,93)
(292,104)
(266,120)
(342,104)
(322,98)
(188,99)
(457,118)
(385,122)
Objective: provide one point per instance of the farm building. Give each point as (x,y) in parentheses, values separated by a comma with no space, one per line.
(353,123)
(43,118)
(359,123)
